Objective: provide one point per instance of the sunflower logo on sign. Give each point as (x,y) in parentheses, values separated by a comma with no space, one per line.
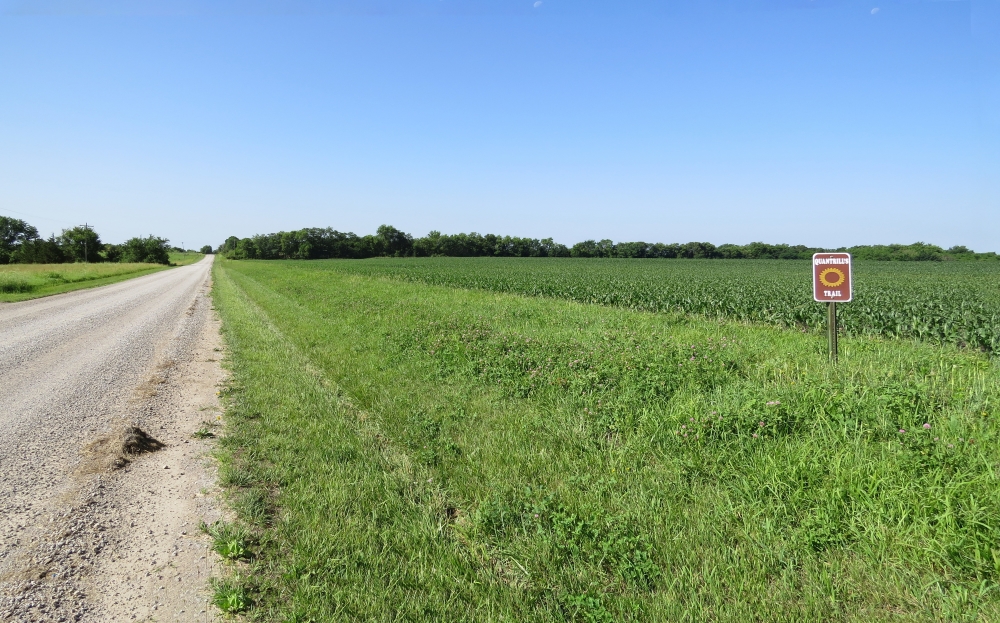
(832,277)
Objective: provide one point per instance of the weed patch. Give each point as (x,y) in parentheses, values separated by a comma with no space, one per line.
(231,596)
(230,541)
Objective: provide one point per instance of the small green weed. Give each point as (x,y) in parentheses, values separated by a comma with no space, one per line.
(205,431)
(586,609)
(230,595)
(228,540)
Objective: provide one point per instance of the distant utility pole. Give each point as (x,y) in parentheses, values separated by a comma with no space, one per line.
(86,228)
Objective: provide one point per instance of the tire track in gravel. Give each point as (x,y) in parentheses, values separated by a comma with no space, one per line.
(79,542)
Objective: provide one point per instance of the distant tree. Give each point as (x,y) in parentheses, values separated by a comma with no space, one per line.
(631,249)
(113,252)
(229,244)
(662,250)
(916,252)
(731,251)
(395,242)
(429,245)
(551,248)
(698,250)
(605,248)
(81,244)
(246,249)
(587,248)
(207,249)
(13,233)
(317,243)
(149,250)
(40,251)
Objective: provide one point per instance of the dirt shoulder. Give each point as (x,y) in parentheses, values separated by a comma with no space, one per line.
(160,564)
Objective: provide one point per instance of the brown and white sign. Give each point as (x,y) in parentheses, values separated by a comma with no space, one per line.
(832,277)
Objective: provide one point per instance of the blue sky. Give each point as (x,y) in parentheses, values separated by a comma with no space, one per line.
(818,122)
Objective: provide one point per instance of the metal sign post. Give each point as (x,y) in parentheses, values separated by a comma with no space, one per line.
(831,329)
(832,284)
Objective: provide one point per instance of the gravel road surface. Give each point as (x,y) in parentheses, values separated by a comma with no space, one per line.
(84,534)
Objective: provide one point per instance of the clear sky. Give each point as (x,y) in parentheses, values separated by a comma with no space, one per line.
(818,122)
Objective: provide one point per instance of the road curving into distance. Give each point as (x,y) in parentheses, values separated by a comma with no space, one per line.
(75,369)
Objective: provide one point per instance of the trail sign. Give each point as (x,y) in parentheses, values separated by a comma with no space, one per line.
(832,277)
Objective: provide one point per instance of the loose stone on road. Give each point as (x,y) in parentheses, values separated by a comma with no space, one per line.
(88,533)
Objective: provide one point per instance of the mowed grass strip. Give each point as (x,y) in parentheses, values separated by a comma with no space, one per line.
(412,452)
(941,302)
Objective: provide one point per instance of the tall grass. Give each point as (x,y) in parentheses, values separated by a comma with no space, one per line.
(412,452)
(11,283)
(20,281)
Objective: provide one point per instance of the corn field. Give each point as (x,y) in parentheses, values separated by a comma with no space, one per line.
(941,302)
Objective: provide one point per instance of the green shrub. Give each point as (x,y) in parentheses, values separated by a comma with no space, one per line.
(148,250)
(39,251)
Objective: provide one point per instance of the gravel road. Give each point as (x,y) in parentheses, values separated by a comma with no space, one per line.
(75,370)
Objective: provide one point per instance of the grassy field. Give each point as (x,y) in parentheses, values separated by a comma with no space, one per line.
(19,282)
(398,451)
(185,258)
(945,302)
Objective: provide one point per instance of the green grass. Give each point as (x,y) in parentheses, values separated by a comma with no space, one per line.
(228,540)
(19,282)
(230,596)
(942,302)
(185,258)
(408,452)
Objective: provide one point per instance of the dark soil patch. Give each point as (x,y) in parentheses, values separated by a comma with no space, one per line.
(136,441)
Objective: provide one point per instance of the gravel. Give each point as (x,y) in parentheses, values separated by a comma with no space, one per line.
(76,370)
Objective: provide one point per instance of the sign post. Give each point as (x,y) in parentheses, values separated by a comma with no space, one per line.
(832,284)
(831,329)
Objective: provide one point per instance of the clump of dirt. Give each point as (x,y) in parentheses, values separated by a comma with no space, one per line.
(136,441)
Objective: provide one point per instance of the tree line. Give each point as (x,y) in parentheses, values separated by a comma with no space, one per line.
(327,243)
(20,243)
